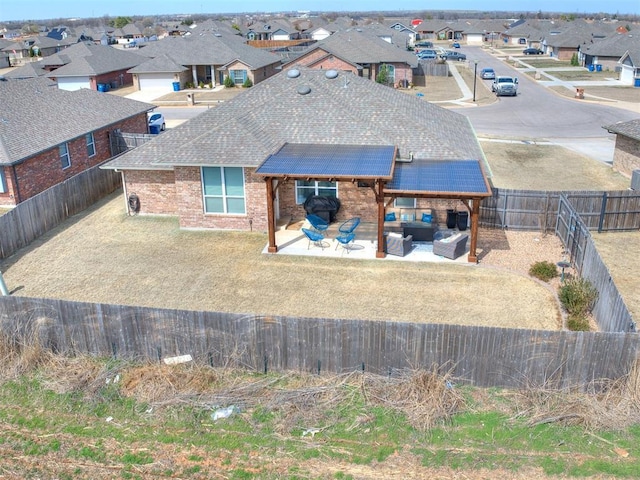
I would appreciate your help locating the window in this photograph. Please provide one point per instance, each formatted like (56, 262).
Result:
(65, 158)
(313, 187)
(91, 145)
(404, 202)
(3, 182)
(238, 76)
(223, 190)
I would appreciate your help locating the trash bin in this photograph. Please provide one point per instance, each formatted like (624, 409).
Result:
(154, 129)
(102, 87)
(592, 67)
(463, 220)
(637, 82)
(176, 86)
(598, 68)
(114, 84)
(451, 218)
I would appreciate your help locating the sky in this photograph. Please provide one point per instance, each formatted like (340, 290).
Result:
(42, 10)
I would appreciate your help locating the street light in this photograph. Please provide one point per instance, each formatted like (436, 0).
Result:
(475, 77)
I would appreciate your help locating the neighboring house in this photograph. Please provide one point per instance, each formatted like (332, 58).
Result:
(29, 70)
(203, 58)
(207, 171)
(484, 31)
(127, 33)
(47, 135)
(609, 52)
(87, 65)
(273, 29)
(319, 33)
(360, 52)
(630, 68)
(34, 48)
(626, 156)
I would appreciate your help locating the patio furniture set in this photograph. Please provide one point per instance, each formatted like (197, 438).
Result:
(319, 226)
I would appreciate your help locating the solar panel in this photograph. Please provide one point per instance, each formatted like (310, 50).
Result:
(324, 161)
(450, 176)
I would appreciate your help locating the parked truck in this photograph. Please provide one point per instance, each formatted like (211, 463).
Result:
(503, 85)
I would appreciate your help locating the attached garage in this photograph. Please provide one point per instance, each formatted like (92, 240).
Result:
(73, 83)
(156, 81)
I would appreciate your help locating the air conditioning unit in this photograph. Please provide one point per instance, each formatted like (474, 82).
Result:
(635, 180)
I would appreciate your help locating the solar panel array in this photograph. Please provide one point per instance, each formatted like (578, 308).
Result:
(451, 176)
(330, 161)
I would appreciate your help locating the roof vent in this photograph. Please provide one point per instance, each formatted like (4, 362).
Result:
(304, 90)
(331, 74)
(293, 73)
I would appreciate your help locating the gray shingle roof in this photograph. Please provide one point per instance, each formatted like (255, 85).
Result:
(37, 116)
(629, 129)
(86, 59)
(359, 47)
(346, 110)
(209, 49)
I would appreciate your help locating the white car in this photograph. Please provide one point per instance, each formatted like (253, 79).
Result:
(156, 122)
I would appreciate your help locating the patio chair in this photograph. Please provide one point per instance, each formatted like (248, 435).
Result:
(318, 223)
(314, 237)
(451, 247)
(346, 241)
(349, 226)
(398, 245)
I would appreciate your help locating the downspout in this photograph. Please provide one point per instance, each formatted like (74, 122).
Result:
(16, 185)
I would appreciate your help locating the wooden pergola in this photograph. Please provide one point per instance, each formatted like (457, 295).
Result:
(377, 167)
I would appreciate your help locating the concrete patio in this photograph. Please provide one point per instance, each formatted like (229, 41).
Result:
(291, 241)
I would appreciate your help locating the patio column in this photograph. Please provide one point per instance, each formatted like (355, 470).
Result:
(475, 216)
(380, 201)
(194, 75)
(271, 221)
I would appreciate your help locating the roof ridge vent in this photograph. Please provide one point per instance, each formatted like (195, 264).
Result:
(293, 73)
(304, 90)
(331, 74)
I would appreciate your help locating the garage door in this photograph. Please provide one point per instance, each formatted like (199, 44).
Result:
(156, 81)
(74, 83)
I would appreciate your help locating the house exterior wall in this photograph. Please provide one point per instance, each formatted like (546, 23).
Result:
(626, 156)
(257, 75)
(42, 171)
(156, 190)
(191, 209)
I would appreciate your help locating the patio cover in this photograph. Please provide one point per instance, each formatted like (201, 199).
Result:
(451, 179)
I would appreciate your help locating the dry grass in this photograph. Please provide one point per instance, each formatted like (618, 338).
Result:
(149, 261)
(547, 167)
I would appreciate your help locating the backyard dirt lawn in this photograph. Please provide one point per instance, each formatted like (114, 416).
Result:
(105, 256)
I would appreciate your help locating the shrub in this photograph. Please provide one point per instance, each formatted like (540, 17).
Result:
(247, 83)
(577, 296)
(578, 323)
(228, 82)
(544, 270)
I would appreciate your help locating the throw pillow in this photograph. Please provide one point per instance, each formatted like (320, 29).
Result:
(426, 217)
(390, 217)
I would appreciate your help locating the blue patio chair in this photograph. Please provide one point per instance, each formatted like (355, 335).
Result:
(346, 240)
(317, 223)
(349, 226)
(314, 237)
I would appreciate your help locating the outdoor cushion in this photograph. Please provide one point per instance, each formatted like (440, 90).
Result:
(408, 217)
(390, 217)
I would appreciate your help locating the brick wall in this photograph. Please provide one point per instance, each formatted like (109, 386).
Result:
(156, 190)
(626, 156)
(45, 170)
(360, 202)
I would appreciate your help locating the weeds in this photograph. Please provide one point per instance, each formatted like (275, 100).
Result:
(544, 270)
(578, 296)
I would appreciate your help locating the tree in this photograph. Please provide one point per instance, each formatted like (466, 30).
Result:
(147, 22)
(120, 22)
(383, 75)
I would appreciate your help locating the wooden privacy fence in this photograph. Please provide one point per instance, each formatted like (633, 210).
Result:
(536, 210)
(481, 356)
(610, 311)
(39, 214)
(120, 142)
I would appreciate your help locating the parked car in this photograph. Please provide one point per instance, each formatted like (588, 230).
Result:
(424, 44)
(487, 74)
(426, 54)
(532, 51)
(455, 45)
(156, 122)
(449, 55)
(503, 85)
